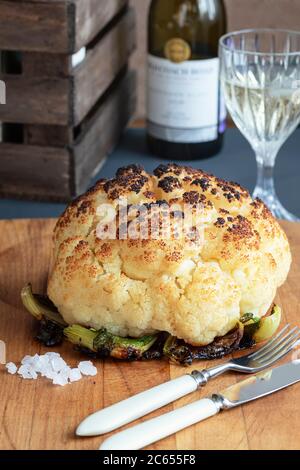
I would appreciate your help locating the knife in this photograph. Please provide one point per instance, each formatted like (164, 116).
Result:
(153, 430)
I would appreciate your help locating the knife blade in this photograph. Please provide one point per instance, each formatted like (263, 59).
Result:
(260, 385)
(257, 386)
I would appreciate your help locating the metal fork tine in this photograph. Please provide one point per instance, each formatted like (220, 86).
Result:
(276, 345)
(269, 343)
(286, 344)
(283, 351)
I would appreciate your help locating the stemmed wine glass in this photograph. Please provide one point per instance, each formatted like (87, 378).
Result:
(260, 76)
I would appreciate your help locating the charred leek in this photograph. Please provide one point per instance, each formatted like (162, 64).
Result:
(106, 344)
(40, 307)
(268, 325)
(80, 336)
(123, 348)
(262, 329)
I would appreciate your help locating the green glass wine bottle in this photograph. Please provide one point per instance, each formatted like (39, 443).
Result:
(185, 111)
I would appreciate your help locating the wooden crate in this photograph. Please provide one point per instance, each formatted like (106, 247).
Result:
(60, 120)
(46, 172)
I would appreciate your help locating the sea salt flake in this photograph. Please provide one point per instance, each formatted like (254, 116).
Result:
(49, 373)
(65, 372)
(38, 363)
(75, 375)
(57, 363)
(87, 368)
(11, 368)
(44, 362)
(52, 355)
(27, 360)
(25, 372)
(33, 373)
(59, 379)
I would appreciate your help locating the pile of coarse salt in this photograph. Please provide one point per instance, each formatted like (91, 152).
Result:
(52, 366)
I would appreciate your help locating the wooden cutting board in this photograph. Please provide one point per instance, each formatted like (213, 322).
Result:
(39, 415)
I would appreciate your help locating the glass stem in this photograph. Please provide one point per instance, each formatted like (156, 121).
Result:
(265, 179)
(265, 186)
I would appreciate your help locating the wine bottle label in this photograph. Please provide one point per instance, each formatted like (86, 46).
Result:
(183, 100)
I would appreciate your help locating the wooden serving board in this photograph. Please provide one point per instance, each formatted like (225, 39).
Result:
(39, 415)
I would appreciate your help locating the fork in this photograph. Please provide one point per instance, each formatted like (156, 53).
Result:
(139, 405)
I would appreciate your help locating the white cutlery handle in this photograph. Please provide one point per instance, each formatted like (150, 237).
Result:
(135, 407)
(141, 435)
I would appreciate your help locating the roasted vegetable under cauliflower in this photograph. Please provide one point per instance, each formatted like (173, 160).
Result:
(249, 331)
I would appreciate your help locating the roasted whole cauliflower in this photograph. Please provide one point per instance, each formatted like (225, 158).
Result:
(194, 283)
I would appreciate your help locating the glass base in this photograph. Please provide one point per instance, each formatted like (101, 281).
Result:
(275, 206)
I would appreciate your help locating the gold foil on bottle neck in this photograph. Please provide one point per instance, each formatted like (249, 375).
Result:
(177, 50)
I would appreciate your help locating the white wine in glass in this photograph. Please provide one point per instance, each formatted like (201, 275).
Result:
(260, 75)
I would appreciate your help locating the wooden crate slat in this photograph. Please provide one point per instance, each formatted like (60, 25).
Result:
(60, 26)
(104, 130)
(36, 26)
(102, 64)
(54, 136)
(33, 172)
(43, 64)
(36, 100)
(92, 16)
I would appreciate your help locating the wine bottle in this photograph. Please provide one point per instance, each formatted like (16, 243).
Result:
(185, 111)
